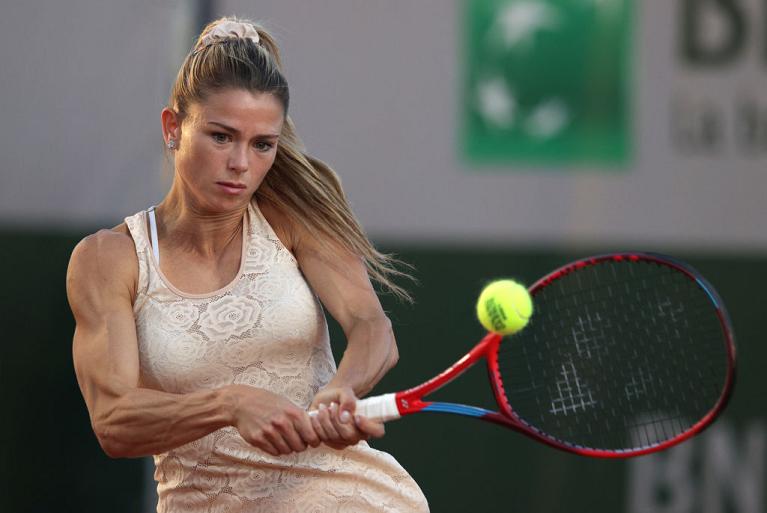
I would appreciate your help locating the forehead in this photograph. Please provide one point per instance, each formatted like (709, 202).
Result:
(240, 109)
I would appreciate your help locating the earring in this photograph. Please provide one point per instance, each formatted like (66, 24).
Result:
(171, 144)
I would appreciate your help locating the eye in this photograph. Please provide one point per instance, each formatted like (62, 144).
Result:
(220, 137)
(263, 146)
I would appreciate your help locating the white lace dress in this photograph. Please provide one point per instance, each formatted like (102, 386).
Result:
(266, 329)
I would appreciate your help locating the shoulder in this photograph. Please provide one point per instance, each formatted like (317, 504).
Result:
(299, 238)
(113, 245)
(105, 259)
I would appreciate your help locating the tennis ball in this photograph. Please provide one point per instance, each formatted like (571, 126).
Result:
(504, 307)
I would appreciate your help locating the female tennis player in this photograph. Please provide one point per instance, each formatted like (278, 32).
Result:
(200, 333)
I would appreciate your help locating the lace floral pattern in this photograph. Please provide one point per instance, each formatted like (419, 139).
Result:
(266, 329)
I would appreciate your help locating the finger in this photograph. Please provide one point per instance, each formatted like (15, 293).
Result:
(344, 416)
(273, 436)
(306, 431)
(347, 405)
(316, 402)
(372, 428)
(337, 446)
(269, 448)
(333, 438)
(348, 431)
(288, 431)
(317, 425)
(265, 445)
(325, 418)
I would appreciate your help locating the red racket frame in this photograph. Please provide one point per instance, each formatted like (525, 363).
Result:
(411, 401)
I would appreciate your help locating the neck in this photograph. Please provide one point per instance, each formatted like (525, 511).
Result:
(182, 223)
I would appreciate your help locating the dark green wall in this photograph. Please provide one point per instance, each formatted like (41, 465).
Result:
(51, 461)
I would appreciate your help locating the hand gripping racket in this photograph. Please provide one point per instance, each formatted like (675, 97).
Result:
(626, 354)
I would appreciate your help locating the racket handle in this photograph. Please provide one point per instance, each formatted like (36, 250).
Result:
(379, 407)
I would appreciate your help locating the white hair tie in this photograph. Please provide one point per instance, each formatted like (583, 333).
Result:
(231, 29)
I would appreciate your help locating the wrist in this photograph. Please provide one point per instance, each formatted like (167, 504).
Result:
(228, 400)
(340, 386)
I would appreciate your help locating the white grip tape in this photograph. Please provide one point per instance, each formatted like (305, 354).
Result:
(379, 407)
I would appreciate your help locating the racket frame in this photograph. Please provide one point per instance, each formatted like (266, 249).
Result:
(411, 400)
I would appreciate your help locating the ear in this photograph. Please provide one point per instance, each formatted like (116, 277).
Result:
(171, 125)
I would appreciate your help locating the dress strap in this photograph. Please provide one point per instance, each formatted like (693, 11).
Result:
(153, 234)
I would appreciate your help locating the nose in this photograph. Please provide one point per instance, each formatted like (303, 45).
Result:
(238, 158)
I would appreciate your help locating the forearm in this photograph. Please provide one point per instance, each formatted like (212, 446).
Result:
(370, 352)
(143, 421)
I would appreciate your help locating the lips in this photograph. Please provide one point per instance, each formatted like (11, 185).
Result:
(232, 185)
(232, 188)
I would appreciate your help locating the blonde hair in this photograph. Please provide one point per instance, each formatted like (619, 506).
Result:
(299, 185)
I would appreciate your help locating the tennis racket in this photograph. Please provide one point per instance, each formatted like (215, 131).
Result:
(625, 354)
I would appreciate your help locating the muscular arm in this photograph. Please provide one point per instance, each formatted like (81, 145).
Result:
(131, 421)
(341, 281)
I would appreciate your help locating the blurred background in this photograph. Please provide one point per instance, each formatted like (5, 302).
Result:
(475, 139)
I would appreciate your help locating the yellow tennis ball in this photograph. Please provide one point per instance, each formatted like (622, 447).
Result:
(504, 307)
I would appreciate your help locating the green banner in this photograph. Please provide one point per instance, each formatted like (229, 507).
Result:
(547, 81)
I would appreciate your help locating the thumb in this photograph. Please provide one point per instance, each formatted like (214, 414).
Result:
(347, 404)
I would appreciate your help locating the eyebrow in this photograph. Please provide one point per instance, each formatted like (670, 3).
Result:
(235, 131)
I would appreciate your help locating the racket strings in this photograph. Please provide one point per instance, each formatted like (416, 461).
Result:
(618, 356)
